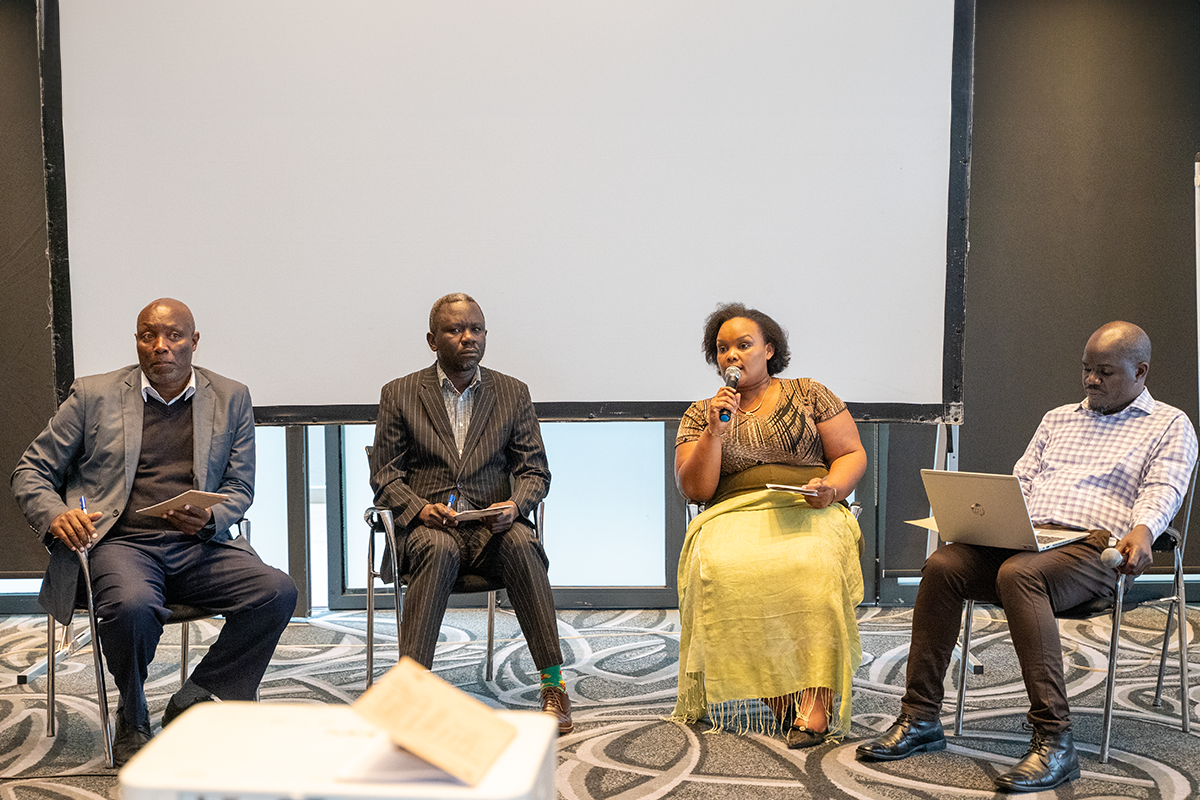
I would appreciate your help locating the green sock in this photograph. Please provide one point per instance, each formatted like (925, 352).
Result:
(552, 676)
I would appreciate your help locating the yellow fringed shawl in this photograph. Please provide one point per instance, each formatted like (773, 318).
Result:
(767, 592)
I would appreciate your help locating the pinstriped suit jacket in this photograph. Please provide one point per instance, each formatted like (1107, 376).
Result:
(415, 461)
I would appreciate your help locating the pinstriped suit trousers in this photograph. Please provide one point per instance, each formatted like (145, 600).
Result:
(433, 559)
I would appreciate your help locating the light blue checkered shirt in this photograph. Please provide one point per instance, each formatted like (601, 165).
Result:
(1112, 472)
(458, 409)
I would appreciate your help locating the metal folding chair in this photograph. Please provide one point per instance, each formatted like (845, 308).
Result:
(379, 521)
(1174, 540)
(179, 615)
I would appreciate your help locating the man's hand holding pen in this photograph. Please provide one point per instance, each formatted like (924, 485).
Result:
(75, 527)
(439, 515)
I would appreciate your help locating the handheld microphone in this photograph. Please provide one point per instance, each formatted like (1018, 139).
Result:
(731, 376)
(1112, 558)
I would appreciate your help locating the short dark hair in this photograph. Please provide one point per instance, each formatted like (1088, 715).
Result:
(773, 334)
(445, 300)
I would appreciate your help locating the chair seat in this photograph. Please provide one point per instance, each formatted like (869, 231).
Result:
(467, 583)
(1091, 608)
(176, 613)
(1171, 540)
(1097, 606)
(380, 520)
(182, 613)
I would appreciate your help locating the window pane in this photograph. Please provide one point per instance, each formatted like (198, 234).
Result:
(359, 497)
(318, 522)
(605, 512)
(597, 467)
(268, 513)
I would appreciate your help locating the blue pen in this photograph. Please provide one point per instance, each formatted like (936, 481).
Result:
(83, 508)
(449, 501)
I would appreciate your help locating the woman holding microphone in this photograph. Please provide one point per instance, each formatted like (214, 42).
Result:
(768, 579)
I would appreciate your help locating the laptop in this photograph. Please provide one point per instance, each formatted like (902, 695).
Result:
(989, 510)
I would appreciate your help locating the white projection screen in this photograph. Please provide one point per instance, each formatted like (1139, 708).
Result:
(309, 176)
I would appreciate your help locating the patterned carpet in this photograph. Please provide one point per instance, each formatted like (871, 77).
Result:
(621, 671)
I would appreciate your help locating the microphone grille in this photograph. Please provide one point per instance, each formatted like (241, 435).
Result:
(1112, 558)
(732, 376)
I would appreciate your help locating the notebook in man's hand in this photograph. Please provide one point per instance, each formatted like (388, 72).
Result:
(192, 497)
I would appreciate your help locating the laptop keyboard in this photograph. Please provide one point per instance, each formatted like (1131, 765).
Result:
(1045, 537)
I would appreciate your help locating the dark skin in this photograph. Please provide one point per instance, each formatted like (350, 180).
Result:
(166, 339)
(459, 339)
(1113, 377)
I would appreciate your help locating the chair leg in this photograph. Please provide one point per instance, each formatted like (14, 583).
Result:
(1184, 693)
(491, 636)
(183, 652)
(51, 658)
(97, 662)
(101, 691)
(370, 608)
(964, 656)
(1162, 658)
(397, 584)
(1110, 684)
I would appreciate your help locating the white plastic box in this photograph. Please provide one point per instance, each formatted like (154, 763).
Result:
(269, 751)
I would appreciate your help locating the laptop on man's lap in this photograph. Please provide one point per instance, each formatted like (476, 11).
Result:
(988, 510)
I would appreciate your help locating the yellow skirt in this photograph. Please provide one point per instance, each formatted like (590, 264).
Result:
(767, 592)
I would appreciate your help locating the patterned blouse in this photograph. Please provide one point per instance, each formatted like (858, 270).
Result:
(788, 435)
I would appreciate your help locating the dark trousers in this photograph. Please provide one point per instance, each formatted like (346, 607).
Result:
(433, 559)
(135, 576)
(1030, 587)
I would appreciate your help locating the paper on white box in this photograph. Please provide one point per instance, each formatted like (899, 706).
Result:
(256, 751)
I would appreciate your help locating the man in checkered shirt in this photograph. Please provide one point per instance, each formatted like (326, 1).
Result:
(1115, 465)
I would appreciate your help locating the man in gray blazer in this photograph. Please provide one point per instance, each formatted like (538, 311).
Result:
(130, 439)
(454, 437)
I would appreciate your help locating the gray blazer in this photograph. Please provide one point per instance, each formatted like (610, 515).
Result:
(415, 460)
(91, 447)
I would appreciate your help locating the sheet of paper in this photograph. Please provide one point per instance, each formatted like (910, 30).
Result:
(478, 513)
(929, 523)
(780, 487)
(381, 761)
(192, 497)
(435, 721)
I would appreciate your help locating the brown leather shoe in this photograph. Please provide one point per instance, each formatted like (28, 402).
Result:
(556, 702)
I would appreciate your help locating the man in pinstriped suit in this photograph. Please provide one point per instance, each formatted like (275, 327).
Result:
(454, 437)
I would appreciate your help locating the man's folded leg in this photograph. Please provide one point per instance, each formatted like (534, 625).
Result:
(257, 602)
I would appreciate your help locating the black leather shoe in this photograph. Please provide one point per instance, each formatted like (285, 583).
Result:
(174, 708)
(1050, 761)
(128, 740)
(907, 735)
